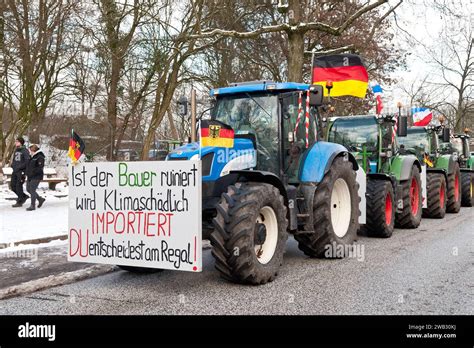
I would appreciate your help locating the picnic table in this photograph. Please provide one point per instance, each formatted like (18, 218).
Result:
(50, 176)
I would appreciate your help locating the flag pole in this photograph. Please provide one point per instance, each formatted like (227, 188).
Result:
(200, 138)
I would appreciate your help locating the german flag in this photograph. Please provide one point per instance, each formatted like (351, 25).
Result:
(76, 146)
(215, 133)
(346, 72)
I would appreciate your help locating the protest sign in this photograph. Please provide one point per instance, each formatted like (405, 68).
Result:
(143, 214)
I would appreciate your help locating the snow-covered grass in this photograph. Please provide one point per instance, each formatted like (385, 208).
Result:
(17, 224)
(23, 247)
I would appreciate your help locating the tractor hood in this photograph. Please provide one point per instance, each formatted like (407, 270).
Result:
(218, 161)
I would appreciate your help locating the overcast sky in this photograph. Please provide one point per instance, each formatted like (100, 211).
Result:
(425, 24)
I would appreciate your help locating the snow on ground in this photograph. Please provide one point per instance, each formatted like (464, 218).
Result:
(17, 224)
(26, 247)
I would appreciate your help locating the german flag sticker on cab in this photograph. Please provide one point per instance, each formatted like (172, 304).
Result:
(217, 134)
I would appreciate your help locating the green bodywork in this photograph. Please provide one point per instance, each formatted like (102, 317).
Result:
(423, 142)
(460, 145)
(369, 139)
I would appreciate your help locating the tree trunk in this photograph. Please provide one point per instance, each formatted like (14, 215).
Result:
(295, 43)
(112, 106)
(3, 143)
(295, 56)
(174, 132)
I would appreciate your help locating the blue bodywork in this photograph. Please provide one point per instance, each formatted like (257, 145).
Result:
(260, 87)
(318, 160)
(189, 150)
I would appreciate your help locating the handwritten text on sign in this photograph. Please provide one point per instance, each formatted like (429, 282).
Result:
(143, 214)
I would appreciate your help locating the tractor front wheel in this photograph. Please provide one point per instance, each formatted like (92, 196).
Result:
(467, 199)
(336, 213)
(410, 216)
(454, 190)
(436, 188)
(380, 209)
(250, 234)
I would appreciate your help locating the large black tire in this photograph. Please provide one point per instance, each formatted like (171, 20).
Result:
(454, 190)
(380, 209)
(410, 216)
(140, 270)
(467, 184)
(322, 242)
(436, 192)
(238, 241)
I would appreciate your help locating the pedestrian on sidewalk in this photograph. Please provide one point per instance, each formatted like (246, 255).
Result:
(34, 173)
(19, 162)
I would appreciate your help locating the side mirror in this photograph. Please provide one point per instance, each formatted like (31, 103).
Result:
(402, 128)
(446, 135)
(316, 95)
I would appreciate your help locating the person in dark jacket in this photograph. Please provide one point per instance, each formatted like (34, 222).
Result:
(19, 162)
(34, 173)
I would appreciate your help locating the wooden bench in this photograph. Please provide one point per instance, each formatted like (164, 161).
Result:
(50, 176)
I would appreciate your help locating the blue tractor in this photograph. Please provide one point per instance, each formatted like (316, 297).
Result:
(278, 179)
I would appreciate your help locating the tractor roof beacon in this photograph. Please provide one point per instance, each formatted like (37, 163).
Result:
(275, 180)
(392, 177)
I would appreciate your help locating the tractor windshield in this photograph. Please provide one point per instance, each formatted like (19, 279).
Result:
(457, 145)
(257, 114)
(357, 134)
(416, 140)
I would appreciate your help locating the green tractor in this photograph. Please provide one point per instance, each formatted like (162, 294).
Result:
(443, 171)
(394, 181)
(460, 144)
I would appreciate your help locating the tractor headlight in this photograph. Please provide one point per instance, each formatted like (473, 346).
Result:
(207, 164)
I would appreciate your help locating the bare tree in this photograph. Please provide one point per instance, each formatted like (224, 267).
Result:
(36, 49)
(450, 55)
(296, 25)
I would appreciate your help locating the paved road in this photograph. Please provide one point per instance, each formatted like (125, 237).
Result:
(35, 263)
(424, 271)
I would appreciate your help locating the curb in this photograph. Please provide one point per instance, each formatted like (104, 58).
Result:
(34, 241)
(55, 280)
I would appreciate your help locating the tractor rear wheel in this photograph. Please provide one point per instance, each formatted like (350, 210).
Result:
(436, 189)
(410, 216)
(467, 199)
(336, 213)
(380, 209)
(454, 190)
(250, 233)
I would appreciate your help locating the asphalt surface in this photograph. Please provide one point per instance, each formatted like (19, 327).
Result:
(425, 271)
(35, 263)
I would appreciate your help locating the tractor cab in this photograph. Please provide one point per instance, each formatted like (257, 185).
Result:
(421, 142)
(461, 146)
(269, 123)
(369, 138)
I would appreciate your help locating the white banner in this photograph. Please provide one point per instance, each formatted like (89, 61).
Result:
(143, 214)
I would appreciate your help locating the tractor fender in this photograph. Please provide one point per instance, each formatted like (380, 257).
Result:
(446, 162)
(289, 195)
(406, 164)
(384, 176)
(439, 171)
(260, 176)
(380, 176)
(318, 160)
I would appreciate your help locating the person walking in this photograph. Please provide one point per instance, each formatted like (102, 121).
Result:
(19, 162)
(34, 173)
